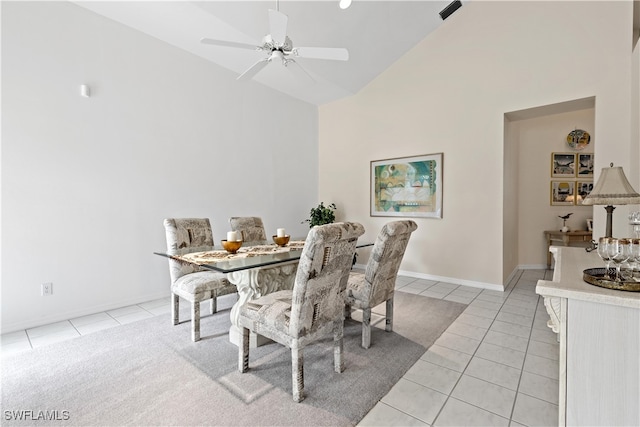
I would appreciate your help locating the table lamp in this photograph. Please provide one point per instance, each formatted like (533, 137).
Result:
(612, 188)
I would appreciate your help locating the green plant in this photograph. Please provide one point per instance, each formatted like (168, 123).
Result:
(321, 215)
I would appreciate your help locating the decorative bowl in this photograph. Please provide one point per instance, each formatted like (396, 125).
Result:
(281, 241)
(231, 246)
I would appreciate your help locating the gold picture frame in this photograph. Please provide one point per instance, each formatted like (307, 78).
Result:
(563, 193)
(584, 165)
(583, 188)
(563, 165)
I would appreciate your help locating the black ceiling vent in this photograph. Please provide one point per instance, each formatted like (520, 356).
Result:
(452, 7)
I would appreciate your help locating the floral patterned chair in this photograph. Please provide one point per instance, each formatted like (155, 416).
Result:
(313, 309)
(377, 284)
(251, 228)
(188, 281)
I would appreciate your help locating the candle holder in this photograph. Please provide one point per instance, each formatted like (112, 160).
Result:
(282, 240)
(231, 246)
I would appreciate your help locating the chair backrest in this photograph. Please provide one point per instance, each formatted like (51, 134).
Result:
(251, 228)
(386, 256)
(184, 233)
(318, 291)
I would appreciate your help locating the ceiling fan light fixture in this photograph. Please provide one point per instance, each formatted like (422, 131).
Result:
(344, 4)
(276, 54)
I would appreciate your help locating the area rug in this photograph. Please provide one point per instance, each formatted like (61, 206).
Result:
(150, 373)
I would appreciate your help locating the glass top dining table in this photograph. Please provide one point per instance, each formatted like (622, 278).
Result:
(250, 255)
(258, 268)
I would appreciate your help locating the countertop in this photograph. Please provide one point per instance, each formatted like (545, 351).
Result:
(568, 280)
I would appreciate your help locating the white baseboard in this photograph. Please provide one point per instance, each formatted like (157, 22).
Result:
(84, 311)
(464, 282)
(521, 267)
(511, 277)
(532, 267)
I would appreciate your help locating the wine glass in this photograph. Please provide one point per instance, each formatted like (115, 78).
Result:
(603, 252)
(620, 251)
(634, 259)
(634, 219)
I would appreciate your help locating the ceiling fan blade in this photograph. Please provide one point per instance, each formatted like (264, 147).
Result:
(334, 53)
(299, 71)
(230, 44)
(254, 69)
(278, 26)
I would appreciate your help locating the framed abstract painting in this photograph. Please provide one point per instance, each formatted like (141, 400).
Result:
(407, 186)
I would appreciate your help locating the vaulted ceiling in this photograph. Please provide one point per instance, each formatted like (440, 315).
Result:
(376, 34)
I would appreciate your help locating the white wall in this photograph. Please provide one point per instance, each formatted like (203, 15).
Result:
(449, 94)
(86, 183)
(510, 206)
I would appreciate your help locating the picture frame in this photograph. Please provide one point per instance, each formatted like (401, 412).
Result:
(563, 165)
(583, 188)
(562, 193)
(407, 186)
(590, 224)
(584, 168)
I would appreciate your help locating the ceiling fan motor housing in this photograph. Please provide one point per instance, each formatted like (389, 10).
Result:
(269, 44)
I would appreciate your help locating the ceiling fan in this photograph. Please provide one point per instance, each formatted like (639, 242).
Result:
(278, 46)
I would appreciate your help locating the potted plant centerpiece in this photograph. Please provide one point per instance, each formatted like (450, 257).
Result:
(321, 215)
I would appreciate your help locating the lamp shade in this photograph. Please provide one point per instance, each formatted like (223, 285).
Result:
(612, 188)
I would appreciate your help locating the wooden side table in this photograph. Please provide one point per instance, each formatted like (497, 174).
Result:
(566, 238)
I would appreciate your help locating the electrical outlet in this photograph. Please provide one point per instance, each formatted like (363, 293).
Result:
(47, 289)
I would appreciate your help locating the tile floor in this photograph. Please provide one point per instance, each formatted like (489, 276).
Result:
(66, 329)
(496, 365)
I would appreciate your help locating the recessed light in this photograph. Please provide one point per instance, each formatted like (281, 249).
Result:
(344, 4)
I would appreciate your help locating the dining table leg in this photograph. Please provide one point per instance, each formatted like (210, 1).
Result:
(254, 283)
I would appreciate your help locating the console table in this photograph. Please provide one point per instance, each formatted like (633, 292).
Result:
(566, 238)
(599, 334)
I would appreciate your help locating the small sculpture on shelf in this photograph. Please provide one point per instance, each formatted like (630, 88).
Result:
(564, 218)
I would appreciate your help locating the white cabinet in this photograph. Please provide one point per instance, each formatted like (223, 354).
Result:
(599, 334)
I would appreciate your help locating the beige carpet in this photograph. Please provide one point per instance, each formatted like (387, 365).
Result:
(150, 373)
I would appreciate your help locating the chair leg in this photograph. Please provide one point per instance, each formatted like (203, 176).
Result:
(175, 308)
(389, 321)
(297, 374)
(366, 327)
(214, 305)
(243, 351)
(338, 357)
(195, 321)
(347, 311)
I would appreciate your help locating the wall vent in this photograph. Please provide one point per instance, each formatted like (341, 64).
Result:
(452, 7)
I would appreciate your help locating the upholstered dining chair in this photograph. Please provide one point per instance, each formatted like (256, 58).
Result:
(377, 284)
(251, 228)
(314, 307)
(191, 282)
